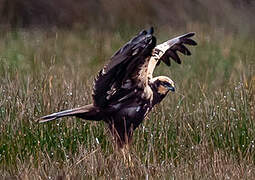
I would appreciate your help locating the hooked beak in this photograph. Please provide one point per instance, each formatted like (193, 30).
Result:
(171, 88)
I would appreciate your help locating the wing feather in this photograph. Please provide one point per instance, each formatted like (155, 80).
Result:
(173, 55)
(183, 50)
(122, 68)
(132, 66)
(168, 50)
(189, 42)
(178, 44)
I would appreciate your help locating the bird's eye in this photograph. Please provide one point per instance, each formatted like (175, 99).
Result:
(166, 84)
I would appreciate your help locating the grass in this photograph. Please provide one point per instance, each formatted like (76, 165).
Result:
(204, 131)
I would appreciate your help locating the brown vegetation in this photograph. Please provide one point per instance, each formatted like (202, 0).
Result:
(205, 130)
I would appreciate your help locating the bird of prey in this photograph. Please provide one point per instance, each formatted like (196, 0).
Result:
(125, 90)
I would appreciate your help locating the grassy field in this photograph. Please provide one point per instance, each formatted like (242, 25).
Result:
(206, 130)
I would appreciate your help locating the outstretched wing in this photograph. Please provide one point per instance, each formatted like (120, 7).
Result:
(168, 50)
(120, 75)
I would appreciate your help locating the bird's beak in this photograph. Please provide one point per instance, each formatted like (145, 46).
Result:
(171, 88)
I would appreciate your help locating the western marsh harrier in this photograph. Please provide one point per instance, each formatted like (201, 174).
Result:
(124, 90)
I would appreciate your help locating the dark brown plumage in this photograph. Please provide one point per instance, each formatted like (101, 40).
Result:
(124, 90)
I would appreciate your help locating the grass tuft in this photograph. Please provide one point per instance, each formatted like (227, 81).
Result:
(207, 126)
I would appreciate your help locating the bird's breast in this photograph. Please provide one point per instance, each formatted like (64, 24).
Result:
(147, 93)
(135, 112)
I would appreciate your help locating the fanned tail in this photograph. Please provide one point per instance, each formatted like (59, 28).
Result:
(88, 112)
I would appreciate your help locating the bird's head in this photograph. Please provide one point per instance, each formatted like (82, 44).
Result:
(163, 85)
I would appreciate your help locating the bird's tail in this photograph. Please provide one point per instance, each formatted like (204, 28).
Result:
(88, 112)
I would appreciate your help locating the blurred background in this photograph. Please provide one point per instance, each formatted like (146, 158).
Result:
(232, 15)
(50, 52)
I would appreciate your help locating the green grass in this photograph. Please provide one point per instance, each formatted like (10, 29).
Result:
(204, 131)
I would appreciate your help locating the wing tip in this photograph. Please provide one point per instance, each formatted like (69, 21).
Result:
(187, 35)
(186, 39)
(150, 30)
(190, 34)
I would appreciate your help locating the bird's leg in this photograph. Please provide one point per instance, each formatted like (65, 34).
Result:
(124, 155)
(126, 147)
(127, 156)
(122, 138)
(130, 162)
